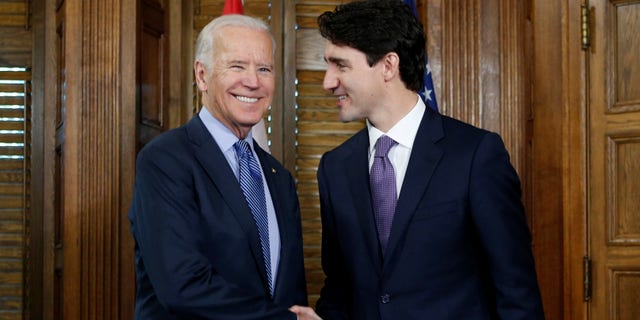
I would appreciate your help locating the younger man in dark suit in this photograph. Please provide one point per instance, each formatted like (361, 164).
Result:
(215, 218)
(421, 214)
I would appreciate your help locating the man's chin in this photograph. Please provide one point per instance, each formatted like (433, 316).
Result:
(347, 117)
(253, 122)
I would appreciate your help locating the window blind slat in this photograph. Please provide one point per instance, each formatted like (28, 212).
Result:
(14, 169)
(11, 100)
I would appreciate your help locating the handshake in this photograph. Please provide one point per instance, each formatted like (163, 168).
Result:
(304, 313)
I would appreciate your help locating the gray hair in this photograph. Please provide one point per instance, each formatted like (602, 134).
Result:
(206, 39)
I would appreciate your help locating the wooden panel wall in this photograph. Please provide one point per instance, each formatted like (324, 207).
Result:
(16, 39)
(15, 151)
(153, 71)
(477, 52)
(163, 42)
(15, 127)
(545, 193)
(96, 163)
(565, 45)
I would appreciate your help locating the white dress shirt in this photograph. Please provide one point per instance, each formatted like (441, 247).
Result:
(404, 133)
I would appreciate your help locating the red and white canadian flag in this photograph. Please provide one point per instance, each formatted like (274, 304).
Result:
(232, 7)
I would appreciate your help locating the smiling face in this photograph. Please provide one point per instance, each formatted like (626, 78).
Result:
(350, 78)
(239, 88)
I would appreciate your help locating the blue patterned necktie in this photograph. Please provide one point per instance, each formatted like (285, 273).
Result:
(383, 189)
(253, 190)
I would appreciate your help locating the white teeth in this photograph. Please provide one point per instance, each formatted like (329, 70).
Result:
(246, 99)
(342, 97)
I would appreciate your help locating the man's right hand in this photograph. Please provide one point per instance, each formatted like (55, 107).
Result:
(304, 313)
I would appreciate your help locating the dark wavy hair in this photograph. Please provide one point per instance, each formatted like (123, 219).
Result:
(377, 27)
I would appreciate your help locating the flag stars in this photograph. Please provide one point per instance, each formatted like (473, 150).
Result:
(427, 93)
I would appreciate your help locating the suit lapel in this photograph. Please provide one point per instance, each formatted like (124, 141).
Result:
(215, 164)
(356, 166)
(424, 159)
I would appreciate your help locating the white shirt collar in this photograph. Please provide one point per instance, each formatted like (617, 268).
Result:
(220, 133)
(404, 132)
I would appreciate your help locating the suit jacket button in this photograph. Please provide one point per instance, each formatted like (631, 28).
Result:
(385, 298)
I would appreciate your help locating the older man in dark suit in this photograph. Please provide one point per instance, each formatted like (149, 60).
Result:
(215, 218)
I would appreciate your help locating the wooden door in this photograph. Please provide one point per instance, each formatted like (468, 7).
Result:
(87, 249)
(613, 171)
(152, 67)
(164, 61)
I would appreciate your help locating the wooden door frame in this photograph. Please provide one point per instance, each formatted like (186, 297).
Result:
(41, 136)
(41, 293)
(558, 56)
(574, 106)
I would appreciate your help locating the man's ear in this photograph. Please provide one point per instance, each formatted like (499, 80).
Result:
(391, 64)
(200, 71)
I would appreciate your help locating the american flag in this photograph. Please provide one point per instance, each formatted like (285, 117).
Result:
(428, 93)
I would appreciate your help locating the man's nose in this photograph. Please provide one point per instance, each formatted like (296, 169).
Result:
(251, 79)
(330, 81)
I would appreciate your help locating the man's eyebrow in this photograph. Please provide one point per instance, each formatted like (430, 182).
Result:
(335, 60)
(236, 61)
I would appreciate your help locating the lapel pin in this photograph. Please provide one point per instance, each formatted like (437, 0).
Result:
(273, 170)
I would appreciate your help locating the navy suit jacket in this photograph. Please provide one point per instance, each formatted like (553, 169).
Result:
(459, 247)
(197, 250)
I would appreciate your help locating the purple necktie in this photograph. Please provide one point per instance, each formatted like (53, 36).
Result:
(383, 189)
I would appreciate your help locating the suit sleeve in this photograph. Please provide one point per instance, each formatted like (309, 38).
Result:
(334, 302)
(499, 217)
(163, 210)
